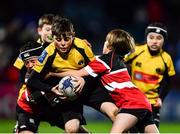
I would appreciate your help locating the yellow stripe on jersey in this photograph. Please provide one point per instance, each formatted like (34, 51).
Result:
(74, 60)
(18, 63)
(21, 91)
(147, 70)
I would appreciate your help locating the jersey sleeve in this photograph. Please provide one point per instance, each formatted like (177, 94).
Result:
(97, 66)
(170, 65)
(89, 53)
(18, 63)
(129, 57)
(87, 49)
(42, 59)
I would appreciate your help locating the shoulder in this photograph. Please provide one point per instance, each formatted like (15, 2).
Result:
(140, 47)
(166, 55)
(50, 48)
(47, 52)
(80, 43)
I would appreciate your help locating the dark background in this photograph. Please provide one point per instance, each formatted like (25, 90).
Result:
(92, 20)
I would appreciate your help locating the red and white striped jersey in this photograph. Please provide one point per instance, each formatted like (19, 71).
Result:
(23, 99)
(116, 79)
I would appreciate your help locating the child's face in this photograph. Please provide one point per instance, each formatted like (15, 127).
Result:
(30, 63)
(155, 41)
(45, 33)
(63, 43)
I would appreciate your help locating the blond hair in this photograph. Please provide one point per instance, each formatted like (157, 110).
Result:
(120, 41)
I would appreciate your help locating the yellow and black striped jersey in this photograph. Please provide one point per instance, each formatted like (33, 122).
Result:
(147, 71)
(75, 60)
(21, 90)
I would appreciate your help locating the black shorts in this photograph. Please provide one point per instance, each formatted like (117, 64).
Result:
(69, 110)
(94, 94)
(56, 116)
(144, 116)
(26, 121)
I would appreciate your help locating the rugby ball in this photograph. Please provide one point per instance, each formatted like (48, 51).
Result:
(67, 86)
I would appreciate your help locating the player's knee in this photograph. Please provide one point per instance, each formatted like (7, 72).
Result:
(110, 109)
(113, 113)
(72, 126)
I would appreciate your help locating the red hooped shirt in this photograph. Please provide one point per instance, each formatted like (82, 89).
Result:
(116, 79)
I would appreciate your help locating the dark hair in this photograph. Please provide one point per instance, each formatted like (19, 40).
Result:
(62, 26)
(46, 19)
(157, 27)
(30, 49)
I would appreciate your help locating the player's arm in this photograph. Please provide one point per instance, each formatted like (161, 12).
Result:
(35, 82)
(167, 79)
(164, 89)
(19, 66)
(94, 68)
(82, 72)
(87, 42)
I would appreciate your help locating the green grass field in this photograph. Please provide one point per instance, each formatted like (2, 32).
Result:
(6, 126)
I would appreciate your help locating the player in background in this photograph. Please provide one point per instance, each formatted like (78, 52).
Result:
(24, 111)
(45, 38)
(135, 108)
(152, 68)
(65, 53)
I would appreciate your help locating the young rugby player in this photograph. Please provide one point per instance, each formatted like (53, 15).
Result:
(45, 38)
(152, 68)
(68, 52)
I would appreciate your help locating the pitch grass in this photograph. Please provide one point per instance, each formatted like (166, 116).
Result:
(6, 126)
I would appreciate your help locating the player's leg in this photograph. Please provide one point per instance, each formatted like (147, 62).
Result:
(156, 115)
(15, 129)
(123, 122)
(72, 126)
(69, 116)
(27, 123)
(95, 96)
(152, 128)
(110, 109)
(148, 123)
(83, 129)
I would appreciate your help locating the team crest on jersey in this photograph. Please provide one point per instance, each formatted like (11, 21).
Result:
(80, 62)
(42, 56)
(138, 64)
(138, 76)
